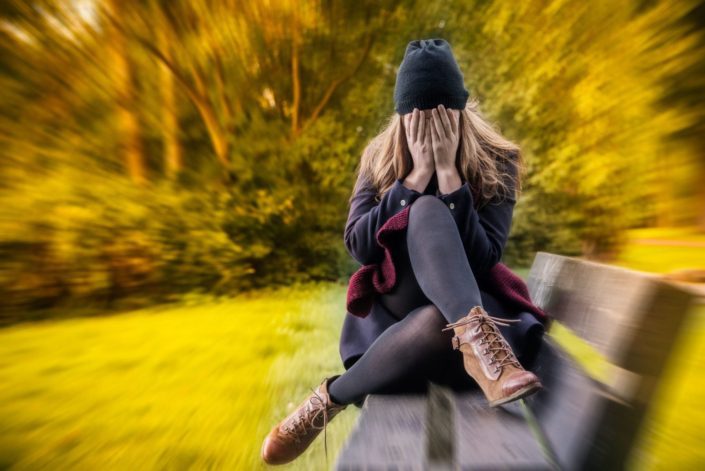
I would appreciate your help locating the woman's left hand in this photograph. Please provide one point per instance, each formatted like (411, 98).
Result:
(445, 136)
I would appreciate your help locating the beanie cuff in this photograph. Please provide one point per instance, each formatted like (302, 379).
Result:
(424, 102)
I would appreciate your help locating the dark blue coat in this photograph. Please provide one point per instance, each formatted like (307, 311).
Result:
(484, 233)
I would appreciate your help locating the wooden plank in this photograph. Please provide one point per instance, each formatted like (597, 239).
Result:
(494, 438)
(389, 435)
(630, 317)
(633, 319)
(446, 430)
(439, 433)
(542, 279)
(586, 427)
(598, 302)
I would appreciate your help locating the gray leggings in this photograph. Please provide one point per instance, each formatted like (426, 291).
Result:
(431, 265)
(435, 286)
(440, 273)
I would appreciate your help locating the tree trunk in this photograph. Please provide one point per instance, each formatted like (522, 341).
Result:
(295, 79)
(128, 127)
(170, 120)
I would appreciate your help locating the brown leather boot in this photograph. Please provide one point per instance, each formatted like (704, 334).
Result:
(290, 437)
(489, 359)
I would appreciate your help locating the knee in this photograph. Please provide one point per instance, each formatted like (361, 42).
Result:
(429, 325)
(426, 205)
(432, 211)
(426, 202)
(432, 316)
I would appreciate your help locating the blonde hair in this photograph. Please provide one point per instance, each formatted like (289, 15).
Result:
(483, 154)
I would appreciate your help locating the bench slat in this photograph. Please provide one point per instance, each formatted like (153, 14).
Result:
(630, 317)
(389, 433)
(494, 438)
(585, 425)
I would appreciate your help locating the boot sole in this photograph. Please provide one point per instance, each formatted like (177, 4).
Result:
(519, 394)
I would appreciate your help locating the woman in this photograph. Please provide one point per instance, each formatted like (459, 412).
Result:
(450, 179)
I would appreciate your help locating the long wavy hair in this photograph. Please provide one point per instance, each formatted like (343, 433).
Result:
(483, 155)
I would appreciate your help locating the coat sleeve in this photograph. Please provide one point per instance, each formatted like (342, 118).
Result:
(367, 215)
(485, 231)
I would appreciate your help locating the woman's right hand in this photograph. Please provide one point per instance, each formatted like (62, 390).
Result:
(418, 138)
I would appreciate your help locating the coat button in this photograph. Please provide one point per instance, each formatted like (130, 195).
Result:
(451, 206)
(402, 202)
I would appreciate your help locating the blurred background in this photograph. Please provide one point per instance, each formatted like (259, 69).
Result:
(174, 180)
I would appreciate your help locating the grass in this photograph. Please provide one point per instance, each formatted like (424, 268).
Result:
(184, 387)
(198, 385)
(658, 258)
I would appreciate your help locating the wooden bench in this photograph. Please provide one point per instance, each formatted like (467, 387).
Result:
(579, 420)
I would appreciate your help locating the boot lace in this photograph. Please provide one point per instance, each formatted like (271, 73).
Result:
(492, 337)
(305, 420)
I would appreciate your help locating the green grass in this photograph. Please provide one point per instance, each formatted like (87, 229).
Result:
(184, 387)
(684, 233)
(658, 258)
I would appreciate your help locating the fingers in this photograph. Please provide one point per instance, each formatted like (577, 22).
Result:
(444, 124)
(437, 124)
(422, 128)
(445, 119)
(434, 124)
(431, 136)
(407, 128)
(414, 125)
(455, 121)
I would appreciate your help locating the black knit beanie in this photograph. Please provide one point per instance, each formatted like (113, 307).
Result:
(429, 76)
